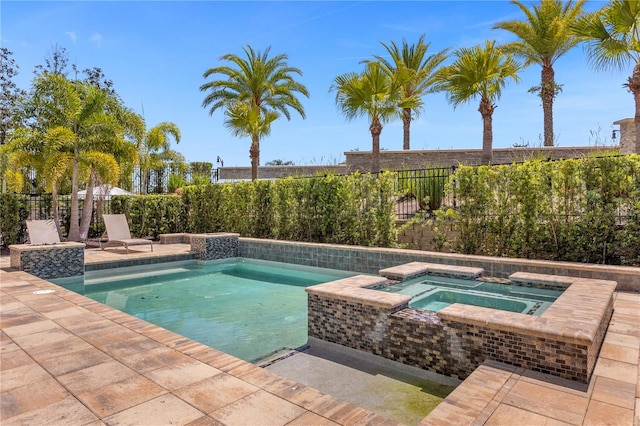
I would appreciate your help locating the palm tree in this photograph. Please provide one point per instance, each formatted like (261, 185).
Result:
(479, 72)
(612, 35)
(420, 74)
(545, 36)
(91, 127)
(150, 156)
(254, 94)
(373, 94)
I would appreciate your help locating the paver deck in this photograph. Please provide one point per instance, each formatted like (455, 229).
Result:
(66, 359)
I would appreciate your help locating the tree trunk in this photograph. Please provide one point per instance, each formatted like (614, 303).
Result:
(406, 127)
(74, 225)
(486, 110)
(54, 206)
(87, 209)
(634, 87)
(547, 93)
(376, 129)
(254, 153)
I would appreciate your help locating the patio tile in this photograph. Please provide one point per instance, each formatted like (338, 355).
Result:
(116, 397)
(21, 376)
(556, 404)
(61, 364)
(215, 392)
(153, 359)
(620, 353)
(32, 396)
(14, 359)
(614, 392)
(507, 415)
(31, 328)
(600, 413)
(42, 341)
(622, 340)
(258, 408)
(165, 409)
(309, 418)
(616, 370)
(119, 347)
(56, 413)
(96, 377)
(205, 421)
(183, 373)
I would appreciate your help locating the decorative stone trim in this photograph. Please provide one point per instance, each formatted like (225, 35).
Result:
(59, 260)
(214, 246)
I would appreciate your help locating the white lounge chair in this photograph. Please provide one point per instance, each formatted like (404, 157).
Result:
(118, 233)
(42, 232)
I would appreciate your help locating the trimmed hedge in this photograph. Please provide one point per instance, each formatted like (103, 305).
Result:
(578, 210)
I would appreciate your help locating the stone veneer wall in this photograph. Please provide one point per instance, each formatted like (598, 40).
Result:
(49, 261)
(371, 259)
(214, 246)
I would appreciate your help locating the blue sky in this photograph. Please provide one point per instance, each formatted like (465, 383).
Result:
(156, 54)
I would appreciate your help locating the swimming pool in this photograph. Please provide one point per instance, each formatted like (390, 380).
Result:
(436, 293)
(248, 308)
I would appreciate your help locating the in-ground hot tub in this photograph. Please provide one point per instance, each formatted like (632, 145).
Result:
(563, 341)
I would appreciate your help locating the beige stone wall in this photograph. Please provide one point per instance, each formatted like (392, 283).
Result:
(419, 159)
(275, 172)
(627, 135)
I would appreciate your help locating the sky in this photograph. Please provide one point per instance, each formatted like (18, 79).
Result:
(156, 52)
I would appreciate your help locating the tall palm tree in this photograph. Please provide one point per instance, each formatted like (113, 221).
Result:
(612, 35)
(259, 87)
(545, 36)
(420, 73)
(479, 72)
(373, 94)
(154, 148)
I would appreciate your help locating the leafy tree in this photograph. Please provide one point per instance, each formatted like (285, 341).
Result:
(479, 72)
(279, 162)
(10, 94)
(411, 63)
(612, 36)
(149, 150)
(544, 36)
(373, 94)
(254, 92)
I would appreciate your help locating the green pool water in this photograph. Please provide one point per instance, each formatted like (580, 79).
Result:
(247, 308)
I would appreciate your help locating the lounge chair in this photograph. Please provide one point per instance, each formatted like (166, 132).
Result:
(42, 232)
(118, 233)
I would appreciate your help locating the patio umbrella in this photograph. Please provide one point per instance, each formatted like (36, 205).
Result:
(104, 191)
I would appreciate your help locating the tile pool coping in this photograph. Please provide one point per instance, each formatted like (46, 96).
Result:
(494, 391)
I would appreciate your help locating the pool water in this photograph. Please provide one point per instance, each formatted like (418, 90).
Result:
(247, 308)
(436, 293)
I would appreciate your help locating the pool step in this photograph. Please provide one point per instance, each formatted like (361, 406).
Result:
(416, 269)
(134, 275)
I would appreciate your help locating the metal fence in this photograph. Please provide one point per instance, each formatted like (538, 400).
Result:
(423, 190)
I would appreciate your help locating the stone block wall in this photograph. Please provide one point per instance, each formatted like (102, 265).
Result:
(420, 159)
(49, 261)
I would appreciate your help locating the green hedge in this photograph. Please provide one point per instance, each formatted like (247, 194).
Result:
(13, 213)
(354, 209)
(580, 210)
(151, 215)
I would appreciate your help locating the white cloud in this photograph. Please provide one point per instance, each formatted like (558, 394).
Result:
(72, 36)
(97, 39)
